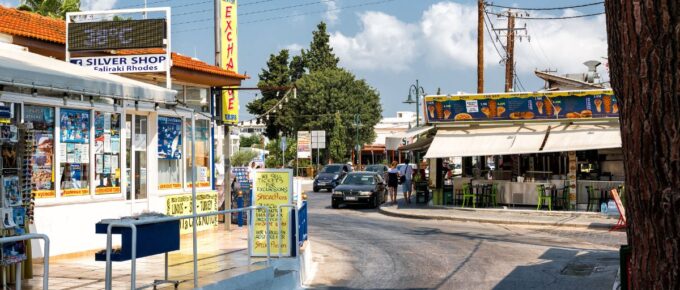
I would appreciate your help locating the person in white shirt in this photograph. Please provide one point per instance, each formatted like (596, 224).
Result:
(407, 185)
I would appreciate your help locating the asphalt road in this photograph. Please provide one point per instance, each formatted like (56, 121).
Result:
(359, 248)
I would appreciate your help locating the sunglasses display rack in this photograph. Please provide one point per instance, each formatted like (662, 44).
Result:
(16, 196)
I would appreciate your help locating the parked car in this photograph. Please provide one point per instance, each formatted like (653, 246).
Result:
(330, 176)
(360, 188)
(377, 168)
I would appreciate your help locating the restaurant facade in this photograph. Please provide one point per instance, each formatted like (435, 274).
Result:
(568, 141)
(106, 145)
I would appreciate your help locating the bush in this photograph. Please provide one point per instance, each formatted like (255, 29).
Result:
(242, 158)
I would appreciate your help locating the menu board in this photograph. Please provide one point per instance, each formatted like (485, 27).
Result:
(522, 106)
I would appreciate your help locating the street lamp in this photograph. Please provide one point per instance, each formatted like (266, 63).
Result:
(416, 90)
(357, 123)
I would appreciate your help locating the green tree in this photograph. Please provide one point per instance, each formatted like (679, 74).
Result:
(249, 141)
(242, 158)
(50, 8)
(333, 90)
(320, 54)
(338, 148)
(274, 147)
(297, 68)
(276, 76)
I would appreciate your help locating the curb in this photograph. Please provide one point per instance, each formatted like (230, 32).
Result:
(593, 226)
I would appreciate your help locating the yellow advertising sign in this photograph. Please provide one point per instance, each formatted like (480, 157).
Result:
(178, 205)
(272, 188)
(229, 57)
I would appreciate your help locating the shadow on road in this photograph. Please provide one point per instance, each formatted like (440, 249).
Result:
(564, 268)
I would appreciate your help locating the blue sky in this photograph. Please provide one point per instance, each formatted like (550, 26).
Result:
(391, 43)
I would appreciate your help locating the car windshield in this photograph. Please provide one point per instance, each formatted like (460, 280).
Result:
(374, 168)
(331, 169)
(359, 179)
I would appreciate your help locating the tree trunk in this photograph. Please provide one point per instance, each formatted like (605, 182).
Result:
(644, 52)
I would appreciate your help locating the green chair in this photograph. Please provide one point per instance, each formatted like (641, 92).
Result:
(543, 197)
(494, 194)
(593, 198)
(467, 193)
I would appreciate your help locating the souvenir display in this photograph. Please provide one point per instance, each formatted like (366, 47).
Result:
(42, 154)
(74, 165)
(15, 190)
(169, 138)
(107, 152)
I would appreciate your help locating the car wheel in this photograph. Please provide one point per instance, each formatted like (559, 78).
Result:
(316, 189)
(334, 204)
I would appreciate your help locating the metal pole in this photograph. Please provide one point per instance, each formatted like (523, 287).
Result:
(17, 278)
(417, 103)
(480, 46)
(193, 194)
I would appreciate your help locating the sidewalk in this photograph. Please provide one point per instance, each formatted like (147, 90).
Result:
(222, 254)
(571, 219)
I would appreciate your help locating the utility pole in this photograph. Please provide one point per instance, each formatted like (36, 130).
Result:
(480, 46)
(510, 34)
(510, 58)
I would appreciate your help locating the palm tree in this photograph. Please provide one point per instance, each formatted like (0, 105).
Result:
(51, 8)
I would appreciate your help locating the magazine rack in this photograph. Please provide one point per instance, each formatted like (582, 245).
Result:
(152, 239)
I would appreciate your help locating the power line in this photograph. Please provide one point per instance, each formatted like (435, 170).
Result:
(285, 7)
(547, 9)
(319, 11)
(254, 3)
(552, 18)
(279, 17)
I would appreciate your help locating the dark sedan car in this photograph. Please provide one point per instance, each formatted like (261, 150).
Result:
(377, 168)
(330, 176)
(360, 188)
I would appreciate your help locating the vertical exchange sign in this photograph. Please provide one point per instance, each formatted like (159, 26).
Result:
(229, 57)
(272, 188)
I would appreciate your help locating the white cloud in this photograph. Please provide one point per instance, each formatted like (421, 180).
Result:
(294, 48)
(446, 36)
(332, 12)
(385, 43)
(96, 5)
(562, 44)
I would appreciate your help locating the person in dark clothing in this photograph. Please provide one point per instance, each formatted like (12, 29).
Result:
(393, 181)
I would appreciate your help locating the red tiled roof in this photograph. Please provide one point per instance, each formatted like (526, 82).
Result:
(33, 25)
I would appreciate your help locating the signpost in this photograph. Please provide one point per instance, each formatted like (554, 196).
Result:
(272, 188)
(84, 34)
(124, 63)
(522, 106)
(318, 142)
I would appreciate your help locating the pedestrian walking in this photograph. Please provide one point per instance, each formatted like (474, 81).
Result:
(393, 181)
(407, 185)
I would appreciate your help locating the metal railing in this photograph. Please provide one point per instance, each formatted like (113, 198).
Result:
(46, 256)
(133, 226)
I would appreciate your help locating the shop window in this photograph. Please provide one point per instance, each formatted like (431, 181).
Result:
(197, 98)
(42, 155)
(107, 153)
(74, 151)
(169, 152)
(202, 147)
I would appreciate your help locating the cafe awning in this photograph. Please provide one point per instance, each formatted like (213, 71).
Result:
(393, 142)
(19, 67)
(576, 137)
(481, 141)
(421, 144)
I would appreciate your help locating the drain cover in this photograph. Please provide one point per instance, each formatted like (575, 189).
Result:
(575, 269)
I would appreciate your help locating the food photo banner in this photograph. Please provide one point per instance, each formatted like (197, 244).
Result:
(522, 106)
